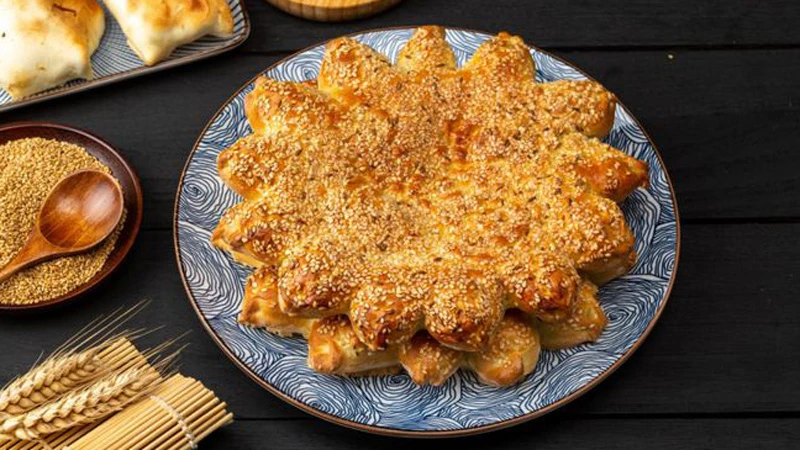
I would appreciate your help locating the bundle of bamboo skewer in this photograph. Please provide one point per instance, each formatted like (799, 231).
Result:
(98, 391)
(177, 415)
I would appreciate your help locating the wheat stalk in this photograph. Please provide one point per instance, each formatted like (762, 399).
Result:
(49, 380)
(82, 406)
(68, 367)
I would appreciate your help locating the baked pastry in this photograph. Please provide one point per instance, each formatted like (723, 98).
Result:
(422, 216)
(45, 43)
(155, 28)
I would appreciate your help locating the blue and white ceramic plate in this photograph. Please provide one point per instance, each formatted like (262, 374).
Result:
(114, 60)
(393, 404)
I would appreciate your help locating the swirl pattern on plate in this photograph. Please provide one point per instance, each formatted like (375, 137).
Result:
(632, 302)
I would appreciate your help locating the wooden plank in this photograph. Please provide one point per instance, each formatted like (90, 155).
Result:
(333, 10)
(555, 432)
(726, 123)
(729, 140)
(729, 341)
(717, 85)
(585, 24)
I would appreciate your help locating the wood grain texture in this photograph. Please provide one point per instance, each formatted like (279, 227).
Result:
(716, 341)
(80, 212)
(123, 173)
(726, 123)
(715, 83)
(333, 10)
(556, 432)
(575, 24)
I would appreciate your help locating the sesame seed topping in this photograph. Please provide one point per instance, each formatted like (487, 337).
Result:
(421, 196)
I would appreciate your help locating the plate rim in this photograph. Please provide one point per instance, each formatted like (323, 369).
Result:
(133, 222)
(396, 432)
(63, 90)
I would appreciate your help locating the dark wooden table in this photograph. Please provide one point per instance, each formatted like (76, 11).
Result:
(717, 85)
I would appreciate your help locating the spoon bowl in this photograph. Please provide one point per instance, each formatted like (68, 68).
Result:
(79, 213)
(121, 171)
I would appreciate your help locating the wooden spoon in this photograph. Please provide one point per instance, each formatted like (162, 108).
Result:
(80, 212)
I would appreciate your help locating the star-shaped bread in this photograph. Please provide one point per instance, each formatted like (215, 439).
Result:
(426, 216)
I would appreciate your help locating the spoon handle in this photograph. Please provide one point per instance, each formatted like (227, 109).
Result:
(37, 249)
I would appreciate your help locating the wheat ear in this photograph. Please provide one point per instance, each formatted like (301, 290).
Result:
(83, 406)
(49, 380)
(69, 367)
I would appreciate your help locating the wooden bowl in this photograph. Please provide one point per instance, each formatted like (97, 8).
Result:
(122, 171)
(333, 10)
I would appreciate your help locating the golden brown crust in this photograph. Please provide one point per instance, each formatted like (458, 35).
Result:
(275, 106)
(543, 285)
(81, 17)
(165, 14)
(603, 270)
(425, 200)
(427, 50)
(512, 353)
(154, 28)
(46, 43)
(593, 232)
(584, 106)
(224, 25)
(260, 307)
(504, 60)
(584, 324)
(427, 361)
(334, 348)
(310, 284)
(464, 311)
(257, 235)
(249, 166)
(350, 71)
(608, 171)
(383, 316)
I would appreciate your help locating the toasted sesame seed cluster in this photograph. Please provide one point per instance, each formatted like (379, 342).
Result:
(29, 169)
(422, 216)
